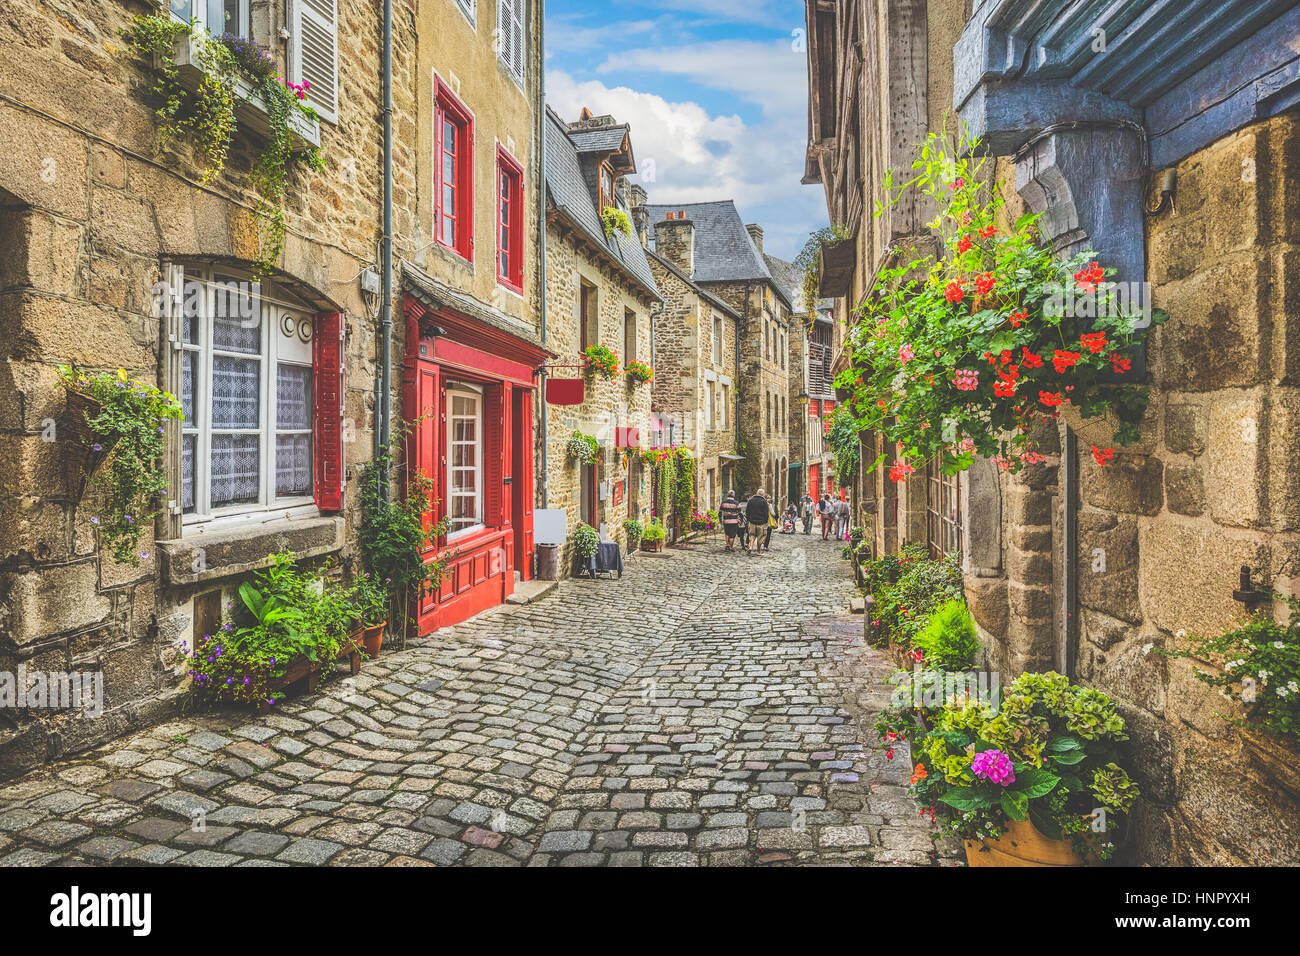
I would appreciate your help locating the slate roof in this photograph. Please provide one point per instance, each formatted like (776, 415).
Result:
(599, 139)
(724, 252)
(787, 276)
(567, 189)
(699, 290)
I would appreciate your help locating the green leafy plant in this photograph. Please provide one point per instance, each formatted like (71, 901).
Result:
(960, 352)
(131, 421)
(638, 372)
(614, 221)
(908, 587)
(398, 533)
(654, 531)
(634, 530)
(600, 359)
(1259, 665)
(584, 449)
(206, 115)
(844, 440)
(585, 540)
(1047, 754)
(808, 264)
(949, 639)
(684, 487)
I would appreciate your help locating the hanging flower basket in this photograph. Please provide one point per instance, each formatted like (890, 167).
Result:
(600, 359)
(83, 450)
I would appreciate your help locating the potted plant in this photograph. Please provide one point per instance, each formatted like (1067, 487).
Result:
(585, 540)
(584, 449)
(638, 372)
(652, 538)
(615, 222)
(371, 601)
(600, 359)
(633, 529)
(1031, 780)
(121, 420)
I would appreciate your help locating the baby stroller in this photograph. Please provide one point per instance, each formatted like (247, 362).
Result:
(787, 523)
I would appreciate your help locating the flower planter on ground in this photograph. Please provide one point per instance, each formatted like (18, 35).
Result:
(1021, 845)
(373, 638)
(304, 673)
(352, 649)
(250, 108)
(652, 545)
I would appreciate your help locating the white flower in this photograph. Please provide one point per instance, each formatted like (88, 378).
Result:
(1294, 687)
(1282, 692)
(1265, 675)
(1278, 645)
(1230, 665)
(1146, 648)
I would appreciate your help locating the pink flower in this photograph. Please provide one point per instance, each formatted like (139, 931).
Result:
(905, 353)
(966, 380)
(994, 766)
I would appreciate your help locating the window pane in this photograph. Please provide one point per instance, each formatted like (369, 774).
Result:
(182, 9)
(236, 469)
(236, 398)
(293, 396)
(189, 362)
(292, 465)
(188, 445)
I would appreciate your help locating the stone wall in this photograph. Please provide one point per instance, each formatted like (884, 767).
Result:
(608, 404)
(88, 212)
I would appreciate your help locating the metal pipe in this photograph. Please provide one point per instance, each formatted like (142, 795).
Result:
(386, 308)
(541, 223)
(1070, 556)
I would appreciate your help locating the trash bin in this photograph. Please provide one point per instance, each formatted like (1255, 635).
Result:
(548, 562)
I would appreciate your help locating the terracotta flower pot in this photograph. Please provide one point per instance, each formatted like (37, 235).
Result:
(373, 638)
(1021, 845)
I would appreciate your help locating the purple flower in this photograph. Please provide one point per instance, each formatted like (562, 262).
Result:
(94, 521)
(98, 448)
(994, 766)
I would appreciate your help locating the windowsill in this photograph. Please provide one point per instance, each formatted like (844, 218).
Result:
(451, 255)
(250, 108)
(241, 548)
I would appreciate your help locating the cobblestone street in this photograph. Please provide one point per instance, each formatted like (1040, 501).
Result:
(706, 709)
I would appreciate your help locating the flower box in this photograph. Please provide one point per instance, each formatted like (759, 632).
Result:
(250, 108)
(80, 459)
(1021, 845)
(657, 545)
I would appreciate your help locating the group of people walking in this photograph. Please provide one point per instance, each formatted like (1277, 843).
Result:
(753, 518)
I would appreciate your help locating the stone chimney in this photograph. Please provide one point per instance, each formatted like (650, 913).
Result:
(756, 233)
(675, 241)
(636, 200)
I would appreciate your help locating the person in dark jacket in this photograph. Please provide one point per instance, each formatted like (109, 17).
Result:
(757, 514)
(732, 515)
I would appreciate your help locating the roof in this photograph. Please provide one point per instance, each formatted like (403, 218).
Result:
(599, 139)
(568, 191)
(724, 251)
(699, 290)
(436, 295)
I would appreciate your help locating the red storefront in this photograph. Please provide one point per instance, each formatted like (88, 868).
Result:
(471, 385)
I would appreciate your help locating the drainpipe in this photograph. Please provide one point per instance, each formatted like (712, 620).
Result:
(541, 222)
(1070, 562)
(386, 309)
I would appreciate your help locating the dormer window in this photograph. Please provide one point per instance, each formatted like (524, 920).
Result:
(606, 186)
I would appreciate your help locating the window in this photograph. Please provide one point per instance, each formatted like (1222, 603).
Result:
(942, 512)
(510, 36)
(768, 399)
(606, 187)
(218, 16)
(247, 396)
(726, 400)
(464, 459)
(453, 187)
(717, 340)
(588, 321)
(510, 222)
(469, 8)
(629, 336)
(708, 489)
(708, 405)
(315, 54)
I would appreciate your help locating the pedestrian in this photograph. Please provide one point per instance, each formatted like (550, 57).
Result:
(842, 515)
(771, 524)
(744, 523)
(757, 513)
(824, 512)
(807, 506)
(732, 515)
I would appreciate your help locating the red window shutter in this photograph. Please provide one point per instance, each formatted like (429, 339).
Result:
(327, 417)
(493, 455)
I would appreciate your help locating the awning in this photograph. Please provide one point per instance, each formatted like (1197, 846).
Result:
(732, 457)
(836, 267)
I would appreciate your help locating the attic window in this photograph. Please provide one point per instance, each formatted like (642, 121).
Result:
(606, 186)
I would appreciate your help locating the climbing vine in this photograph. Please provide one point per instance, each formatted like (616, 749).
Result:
(808, 263)
(685, 486)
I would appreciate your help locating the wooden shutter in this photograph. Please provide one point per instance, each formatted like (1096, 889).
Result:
(510, 34)
(493, 455)
(315, 34)
(517, 25)
(327, 410)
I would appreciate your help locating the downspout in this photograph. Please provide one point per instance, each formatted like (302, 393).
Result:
(1070, 557)
(541, 222)
(386, 308)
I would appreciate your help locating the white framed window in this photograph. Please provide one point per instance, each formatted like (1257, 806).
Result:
(509, 38)
(246, 391)
(726, 400)
(216, 16)
(464, 459)
(717, 340)
(470, 9)
(708, 406)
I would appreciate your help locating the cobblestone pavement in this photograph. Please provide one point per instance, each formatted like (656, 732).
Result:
(706, 709)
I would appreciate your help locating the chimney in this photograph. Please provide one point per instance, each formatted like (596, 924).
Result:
(756, 233)
(636, 199)
(675, 241)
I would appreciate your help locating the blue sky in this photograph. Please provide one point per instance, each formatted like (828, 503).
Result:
(715, 90)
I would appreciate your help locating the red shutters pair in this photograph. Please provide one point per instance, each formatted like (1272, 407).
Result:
(327, 410)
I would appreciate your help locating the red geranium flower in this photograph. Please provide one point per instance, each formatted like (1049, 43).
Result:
(984, 282)
(1063, 360)
(988, 231)
(1050, 399)
(964, 244)
(1089, 277)
(954, 292)
(1103, 455)
(1119, 363)
(1030, 359)
(1094, 342)
(1017, 319)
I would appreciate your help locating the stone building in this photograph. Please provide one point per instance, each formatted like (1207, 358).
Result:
(600, 291)
(1071, 566)
(727, 260)
(120, 255)
(695, 367)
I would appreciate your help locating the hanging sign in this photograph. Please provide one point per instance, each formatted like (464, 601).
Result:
(565, 391)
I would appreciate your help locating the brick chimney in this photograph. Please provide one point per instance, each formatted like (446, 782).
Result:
(675, 241)
(756, 233)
